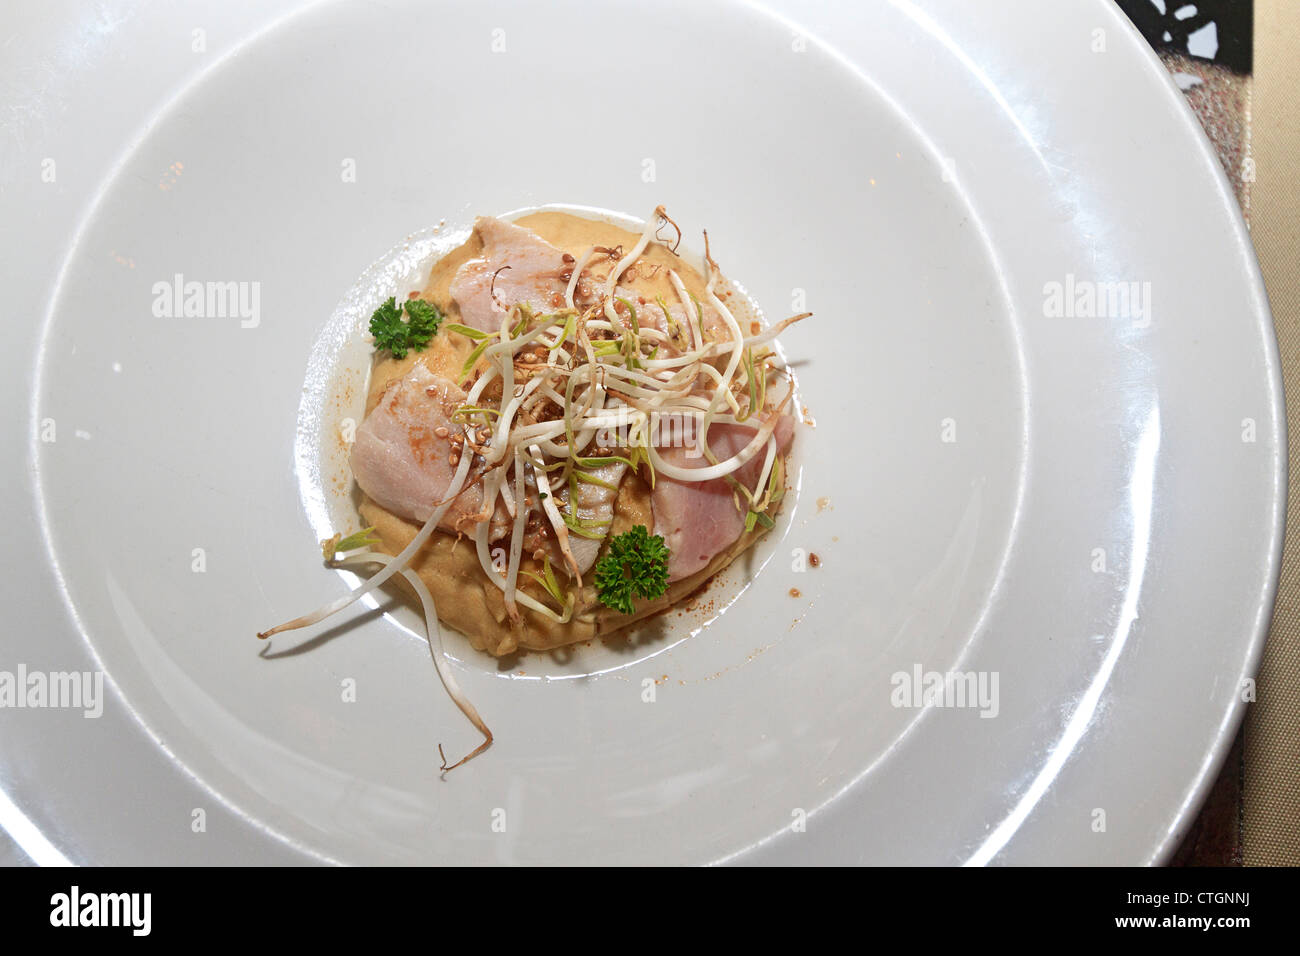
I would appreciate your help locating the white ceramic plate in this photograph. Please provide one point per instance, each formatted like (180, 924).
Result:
(1085, 508)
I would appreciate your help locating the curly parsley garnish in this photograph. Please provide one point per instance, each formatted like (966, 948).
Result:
(636, 564)
(400, 337)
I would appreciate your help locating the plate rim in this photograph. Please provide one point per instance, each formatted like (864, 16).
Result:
(1233, 721)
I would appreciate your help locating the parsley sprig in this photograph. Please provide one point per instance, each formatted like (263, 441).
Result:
(636, 564)
(398, 336)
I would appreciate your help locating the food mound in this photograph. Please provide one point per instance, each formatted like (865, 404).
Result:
(567, 430)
